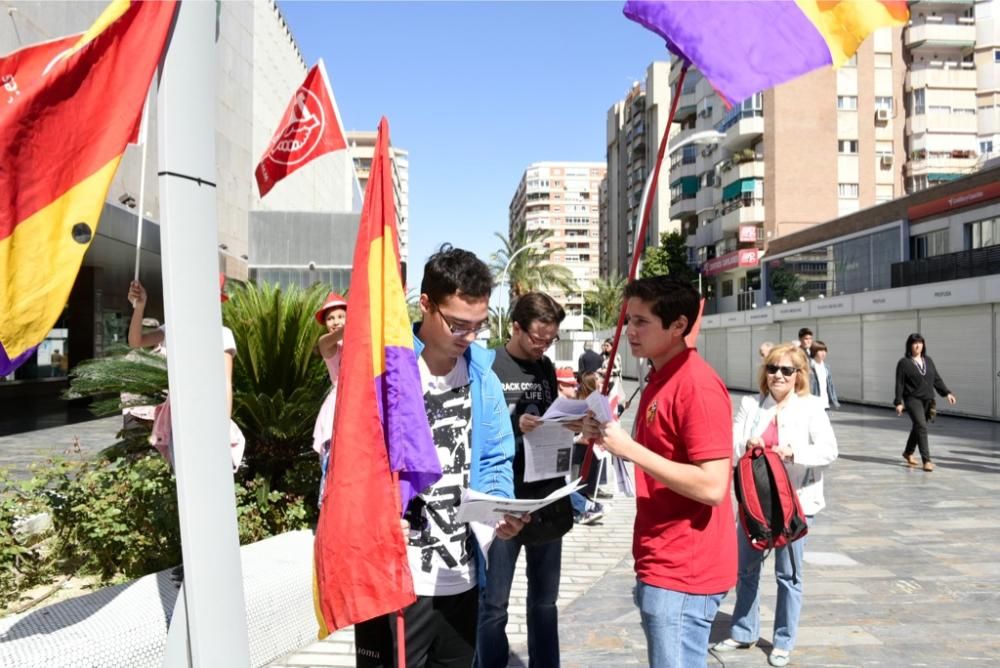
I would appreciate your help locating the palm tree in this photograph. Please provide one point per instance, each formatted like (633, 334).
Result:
(532, 269)
(604, 302)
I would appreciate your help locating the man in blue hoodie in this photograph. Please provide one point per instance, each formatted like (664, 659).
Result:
(475, 443)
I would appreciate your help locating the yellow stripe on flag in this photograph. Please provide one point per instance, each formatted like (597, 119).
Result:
(391, 326)
(39, 261)
(844, 25)
(111, 13)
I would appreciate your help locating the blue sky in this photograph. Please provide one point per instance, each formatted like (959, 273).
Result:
(476, 91)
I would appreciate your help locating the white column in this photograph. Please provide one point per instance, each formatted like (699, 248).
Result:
(213, 585)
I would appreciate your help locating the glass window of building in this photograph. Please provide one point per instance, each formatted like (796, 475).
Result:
(883, 103)
(847, 102)
(847, 145)
(929, 245)
(727, 288)
(918, 100)
(982, 233)
(847, 190)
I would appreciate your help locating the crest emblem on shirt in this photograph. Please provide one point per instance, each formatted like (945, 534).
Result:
(651, 413)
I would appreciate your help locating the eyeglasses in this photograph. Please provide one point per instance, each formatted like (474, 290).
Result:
(541, 342)
(786, 371)
(462, 330)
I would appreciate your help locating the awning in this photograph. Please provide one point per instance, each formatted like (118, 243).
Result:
(737, 188)
(689, 185)
(940, 177)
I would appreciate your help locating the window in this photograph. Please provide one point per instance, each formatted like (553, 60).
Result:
(847, 146)
(727, 288)
(996, 55)
(847, 102)
(847, 190)
(929, 245)
(690, 154)
(986, 147)
(982, 233)
(883, 103)
(918, 101)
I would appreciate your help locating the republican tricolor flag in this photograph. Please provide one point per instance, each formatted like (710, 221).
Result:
(380, 433)
(68, 108)
(747, 46)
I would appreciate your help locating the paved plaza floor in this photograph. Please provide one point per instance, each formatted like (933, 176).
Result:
(902, 568)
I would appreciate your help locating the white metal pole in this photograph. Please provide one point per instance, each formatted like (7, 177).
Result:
(216, 625)
(503, 279)
(144, 152)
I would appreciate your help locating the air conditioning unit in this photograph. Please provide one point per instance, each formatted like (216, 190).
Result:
(708, 150)
(886, 159)
(882, 115)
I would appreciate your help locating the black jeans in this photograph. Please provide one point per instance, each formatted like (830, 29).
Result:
(440, 633)
(917, 410)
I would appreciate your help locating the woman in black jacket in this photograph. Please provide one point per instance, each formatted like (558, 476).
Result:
(916, 380)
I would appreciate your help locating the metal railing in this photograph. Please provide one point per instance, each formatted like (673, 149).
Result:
(948, 267)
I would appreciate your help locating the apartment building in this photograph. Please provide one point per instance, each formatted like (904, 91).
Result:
(563, 198)
(635, 126)
(362, 147)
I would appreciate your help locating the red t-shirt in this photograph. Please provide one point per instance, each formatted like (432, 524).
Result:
(680, 544)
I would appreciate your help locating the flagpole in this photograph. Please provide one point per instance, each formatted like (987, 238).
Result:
(208, 627)
(649, 193)
(357, 197)
(140, 213)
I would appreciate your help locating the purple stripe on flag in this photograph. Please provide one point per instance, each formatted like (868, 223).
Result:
(741, 47)
(8, 365)
(404, 421)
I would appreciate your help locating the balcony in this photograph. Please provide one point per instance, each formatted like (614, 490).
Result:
(706, 198)
(752, 169)
(924, 166)
(738, 212)
(941, 122)
(683, 205)
(934, 77)
(948, 267)
(745, 130)
(941, 36)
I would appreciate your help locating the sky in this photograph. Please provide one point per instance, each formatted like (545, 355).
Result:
(475, 91)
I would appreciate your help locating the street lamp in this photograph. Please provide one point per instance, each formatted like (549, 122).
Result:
(503, 279)
(593, 325)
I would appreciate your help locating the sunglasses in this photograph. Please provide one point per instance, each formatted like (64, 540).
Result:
(786, 371)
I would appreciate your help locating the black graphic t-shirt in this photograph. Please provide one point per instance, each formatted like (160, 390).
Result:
(529, 387)
(439, 547)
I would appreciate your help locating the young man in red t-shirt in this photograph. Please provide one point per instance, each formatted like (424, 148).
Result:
(685, 537)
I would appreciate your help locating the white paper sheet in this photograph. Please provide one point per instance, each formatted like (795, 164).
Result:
(565, 410)
(479, 507)
(548, 452)
(599, 404)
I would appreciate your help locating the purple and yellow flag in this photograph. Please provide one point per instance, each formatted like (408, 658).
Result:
(380, 431)
(746, 46)
(68, 108)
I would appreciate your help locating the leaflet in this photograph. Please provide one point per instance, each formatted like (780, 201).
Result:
(479, 507)
(599, 404)
(565, 410)
(548, 452)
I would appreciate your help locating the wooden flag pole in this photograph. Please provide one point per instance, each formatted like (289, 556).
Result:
(649, 192)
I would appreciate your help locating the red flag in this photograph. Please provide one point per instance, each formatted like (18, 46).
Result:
(310, 128)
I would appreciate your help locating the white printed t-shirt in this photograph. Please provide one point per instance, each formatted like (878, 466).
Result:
(440, 549)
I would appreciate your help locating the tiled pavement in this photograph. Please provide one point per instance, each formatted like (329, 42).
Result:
(82, 439)
(902, 568)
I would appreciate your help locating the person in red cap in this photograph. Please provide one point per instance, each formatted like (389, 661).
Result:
(566, 379)
(332, 315)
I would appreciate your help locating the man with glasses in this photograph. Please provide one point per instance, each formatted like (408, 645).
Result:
(529, 382)
(472, 433)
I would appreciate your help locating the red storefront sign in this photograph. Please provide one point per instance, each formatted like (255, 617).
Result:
(737, 259)
(957, 201)
(748, 233)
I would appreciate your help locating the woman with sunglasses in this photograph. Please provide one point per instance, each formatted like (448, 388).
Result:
(784, 417)
(916, 380)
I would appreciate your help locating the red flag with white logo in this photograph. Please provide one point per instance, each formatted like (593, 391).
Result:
(310, 128)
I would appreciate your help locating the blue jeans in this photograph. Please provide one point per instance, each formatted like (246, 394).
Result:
(543, 567)
(581, 504)
(677, 625)
(787, 573)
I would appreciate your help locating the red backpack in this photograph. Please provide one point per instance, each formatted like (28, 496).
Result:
(769, 508)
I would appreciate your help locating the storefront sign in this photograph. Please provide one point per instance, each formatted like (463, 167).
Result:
(760, 317)
(748, 233)
(734, 318)
(963, 199)
(789, 311)
(710, 321)
(742, 258)
(880, 301)
(949, 293)
(819, 308)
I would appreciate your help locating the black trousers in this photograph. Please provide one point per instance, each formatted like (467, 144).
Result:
(440, 633)
(917, 410)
